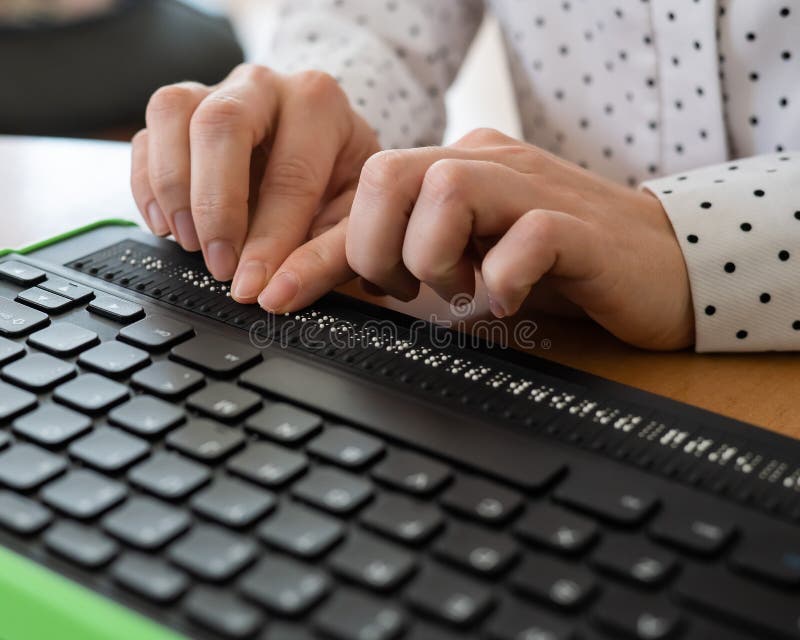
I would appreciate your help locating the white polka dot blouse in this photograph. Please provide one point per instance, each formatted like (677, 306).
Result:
(697, 101)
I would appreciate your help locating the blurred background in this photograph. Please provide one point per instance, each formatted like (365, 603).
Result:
(86, 68)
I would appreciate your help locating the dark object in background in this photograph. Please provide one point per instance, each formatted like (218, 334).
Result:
(100, 73)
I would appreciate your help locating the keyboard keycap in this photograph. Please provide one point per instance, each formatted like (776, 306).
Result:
(556, 528)
(146, 523)
(146, 416)
(21, 273)
(169, 475)
(24, 467)
(770, 554)
(559, 584)
(4, 440)
(224, 401)
(114, 359)
(155, 333)
(401, 518)
(77, 293)
(351, 616)
(233, 503)
(91, 393)
(39, 371)
(484, 552)
(223, 613)
(371, 562)
(637, 616)
(449, 596)
(81, 544)
(63, 339)
(301, 531)
(116, 309)
(44, 300)
(83, 494)
(701, 534)
(335, 491)
(284, 423)
(149, 577)
(21, 515)
(284, 585)
(267, 464)
(167, 379)
(17, 319)
(10, 351)
(613, 499)
(481, 499)
(109, 449)
(14, 401)
(205, 440)
(345, 447)
(212, 553)
(517, 620)
(216, 355)
(51, 425)
(634, 559)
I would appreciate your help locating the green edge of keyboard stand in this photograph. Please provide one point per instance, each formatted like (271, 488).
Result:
(109, 222)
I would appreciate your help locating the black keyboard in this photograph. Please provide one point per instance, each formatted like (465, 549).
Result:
(346, 473)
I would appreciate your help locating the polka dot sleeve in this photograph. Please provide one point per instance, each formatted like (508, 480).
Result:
(394, 58)
(738, 225)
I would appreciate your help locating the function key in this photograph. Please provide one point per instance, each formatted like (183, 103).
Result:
(449, 596)
(115, 308)
(301, 531)
(20, 273)
(10, 350)
(371, 562)
(114, 359)
(155, 333)
(284, 585)
(149, 577)
(212, 553)
(224, 401)
(481, 499)
(169, 475)
(24, 467)
(63, 339)
(484, 552)
(44, 300)
(517, 620)
(91, 393)
(222, 613)
(772, 554)
(346, 447)
(411, 472)
(39, 371)
(22, 515)
(167, 379)
(556, 528)
(216, 355)
(333, 490)
(71, 290)
(699, 534)
(52, 425)
(634, 559)
(17, 319)
(284, 423)
(205, 440)
(232, 502)
(637, 616)
(14, 401)
(352, 616)
(109, 449)
(146, 523)
(615, 500)
(146, 415)
(557, 583)
(81, 544)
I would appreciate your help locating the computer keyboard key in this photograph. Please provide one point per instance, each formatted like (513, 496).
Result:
(146, 416)
(155, 332)
(14, 401)
(115, 359)
(205, 440)
(701, 534)
(216, 355)
(284, 423)
(63, 339)
(556, 528)
(149, 577)
(10, 351)
(348, 615)
(39, 371)
(17, 319)
(345, 447)
(404, 519)
(91, 393)
(772, 554)
(51, 425)
(5, 439)
(634, 559)
(267, 464)
(637, 616)
(21, 273)
(222, 613)
(115, 309)
(371, 562)
(169, 475)
(336, 491)
(284, 586)
(84, 494)
(285, 630)
(24, 467)
(146, 523)
(212, 553)
(481, 499)
(109, 449)
(81, 544)
(614, 500)
(232, 502)
(517, 620)
(301, 531)
(167, 379)
(224, 401)
(22, 515)
(559, 584)
(475, 549)
(75, 292)
(449, 596)
(44, 300)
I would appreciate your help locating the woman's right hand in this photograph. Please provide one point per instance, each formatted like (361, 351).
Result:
(258, 171)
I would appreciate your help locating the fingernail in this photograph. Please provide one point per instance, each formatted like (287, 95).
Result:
(496, 309)
(185, 233)
(157, 221)
(280, 291)
(222, 259)
(249, 280)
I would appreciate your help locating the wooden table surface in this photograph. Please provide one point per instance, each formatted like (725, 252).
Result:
(51, 185)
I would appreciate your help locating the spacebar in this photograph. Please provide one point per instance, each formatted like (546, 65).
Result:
(503, 453)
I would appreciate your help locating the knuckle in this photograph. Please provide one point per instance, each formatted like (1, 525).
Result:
(293, 177)
(219, 113)
(165, 177)
(483, 136)
(445, 180)
(423, 268)
(254, 72)
(317, 86)
(540, 225)
(214, 207)
(169, 99)
(140, 137)
(382, 169)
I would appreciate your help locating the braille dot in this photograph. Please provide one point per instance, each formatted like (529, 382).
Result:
(670, 16)
(682, 178)
(765, 298)
(609, 109)
(733, 167)
(676, 61)
(679, 104)
(652, 168)
(563, 49)
(784, 12)
(710, 310)
(786, 55)
(692, 238)
(718, 181)
(797, 215)
(783, 102)
(667, 191)
(750, 36)
(778, 147)
(741, 334)
(705, 205)
(746, 226)
(753, 76)
(678, 148)
(753, 121)
(650, 82)
(647, 39)
(703, 134)
(653, 125)
(629, 139)
(730, 267)
(700, 91)
(584, 123)
(783, 255)
(758, 193)
(796, 325)
(607, 152)
(697, 45)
